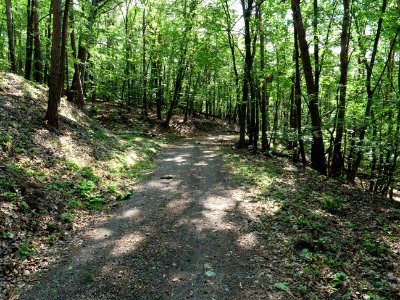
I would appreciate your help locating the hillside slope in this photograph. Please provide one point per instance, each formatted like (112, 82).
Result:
(50, 181)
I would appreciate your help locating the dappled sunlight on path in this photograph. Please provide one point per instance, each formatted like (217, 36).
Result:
(181, 235)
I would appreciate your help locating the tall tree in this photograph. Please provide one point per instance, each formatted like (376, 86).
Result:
(247, 8)
(77, 90)
(337, 157)
(63, 51)
(29, 40)
(54, 81)
(37, 54)
(318, 161)
(145, 113)
(264, 81)
(10, 32)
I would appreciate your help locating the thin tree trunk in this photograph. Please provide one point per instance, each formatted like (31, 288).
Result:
(355, 159)
(318, 161)
(238, 106)
(297, 100)
(396, 146)
(247, 12)
(264, 108)
(48, 34)
(145, 114)
(337, 157)
(316, 52)
(10, 33)
(64, 36)
(29, 41)
(159, 93)
(177, 90)
(188, 95)
(77, 89)
(37, 54)
(54, 82)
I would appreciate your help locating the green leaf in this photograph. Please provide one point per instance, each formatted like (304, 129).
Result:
(282, 286)
(210, 273)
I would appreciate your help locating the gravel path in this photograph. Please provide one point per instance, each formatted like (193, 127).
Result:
(182, 235)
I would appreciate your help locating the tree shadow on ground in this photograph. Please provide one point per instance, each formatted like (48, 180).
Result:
(326, 240)
(40, 170)
(176, 238)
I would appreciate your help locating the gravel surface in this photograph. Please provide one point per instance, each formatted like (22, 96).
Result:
(182, 235)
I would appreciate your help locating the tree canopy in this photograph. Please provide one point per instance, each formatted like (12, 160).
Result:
(316, 80)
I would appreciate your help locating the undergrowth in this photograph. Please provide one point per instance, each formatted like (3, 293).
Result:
(48, 181)
(326, 240)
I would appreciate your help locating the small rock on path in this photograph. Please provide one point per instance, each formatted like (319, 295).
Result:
(180, 238)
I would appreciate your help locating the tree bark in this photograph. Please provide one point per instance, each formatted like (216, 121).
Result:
(247, 7)
(77, 89)
(337, 157)
(10, 33)
(63, 52)
(238, 108)
(37, 53)
(29, 41)
(318, 161)
(145, 114)
(264, 82)
(54, 80)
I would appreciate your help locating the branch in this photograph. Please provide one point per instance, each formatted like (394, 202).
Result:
(387, 61)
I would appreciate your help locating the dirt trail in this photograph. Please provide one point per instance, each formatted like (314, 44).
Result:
(182, 235)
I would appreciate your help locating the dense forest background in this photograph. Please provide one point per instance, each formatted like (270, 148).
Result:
(317, 81)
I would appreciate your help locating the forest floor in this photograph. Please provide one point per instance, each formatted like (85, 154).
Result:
(138, 212)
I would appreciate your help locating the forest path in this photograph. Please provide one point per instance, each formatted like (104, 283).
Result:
(182, 235)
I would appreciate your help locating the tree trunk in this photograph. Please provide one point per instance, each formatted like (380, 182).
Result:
(77, 88)
(145, 114)
(264, 82)
(188, 95)
(247, 12)
(10, 33)
(84, 44)
(37, 54)
(54, 81)
(159, 93)
(29, 41)
(317, 68)
(297, 100)
(177, 90)
(337, 157)
(355, 159)
(238, 106)
(48, 34)
(63, 52)
(318, 161)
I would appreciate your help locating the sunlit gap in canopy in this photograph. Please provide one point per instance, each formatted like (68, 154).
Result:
(239, 22)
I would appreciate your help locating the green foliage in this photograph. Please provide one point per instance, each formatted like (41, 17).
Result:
(339, 279)
(282, 286)
(331, 204)
(12, 197)
(7, 235)
(72, 204)
(84, 188)
(374, 247)
(67, 217)
(6, 141)
(96, 202)
(26, 250)
(98, 134)
(87, 173)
